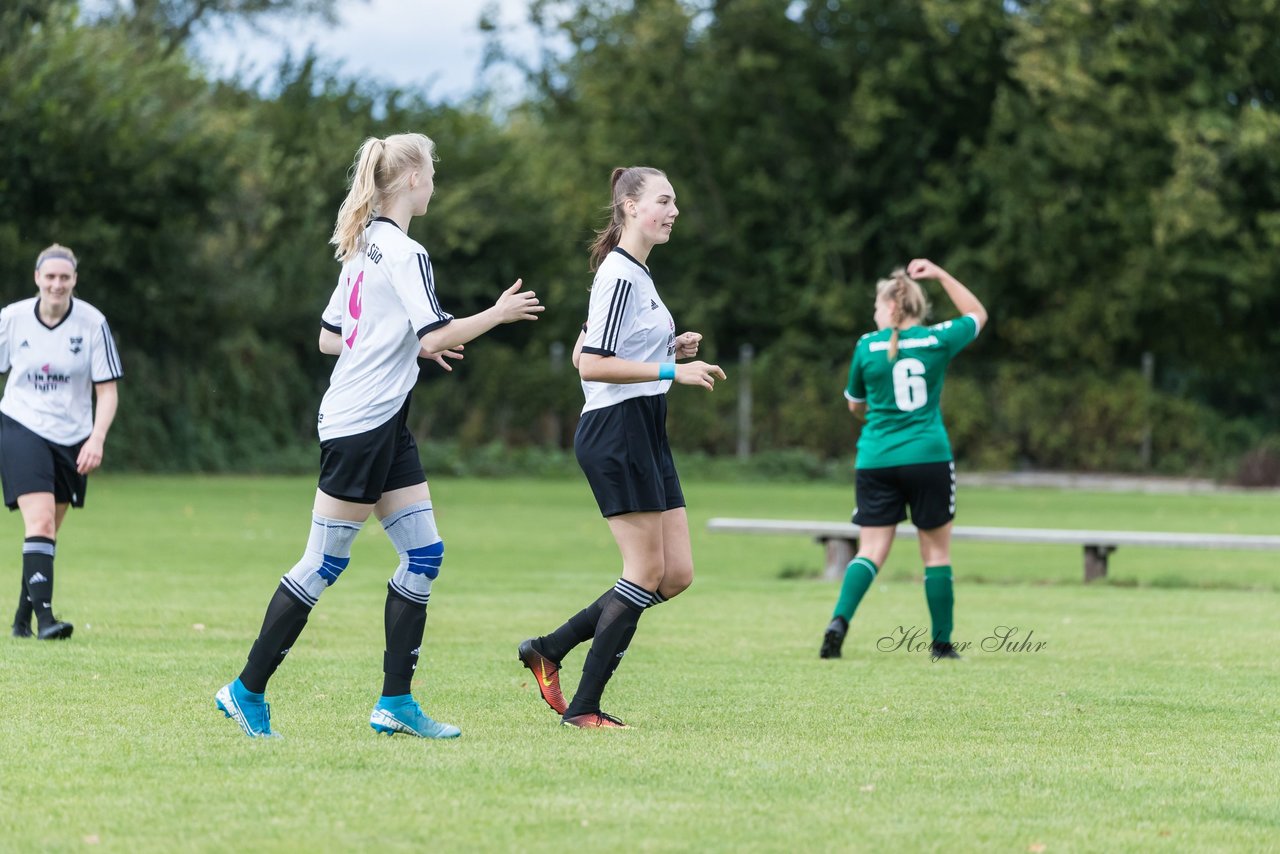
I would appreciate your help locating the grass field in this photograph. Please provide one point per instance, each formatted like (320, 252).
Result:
(1148, 720)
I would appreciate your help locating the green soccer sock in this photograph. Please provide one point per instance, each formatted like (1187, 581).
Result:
(941, 598)
(858, 576)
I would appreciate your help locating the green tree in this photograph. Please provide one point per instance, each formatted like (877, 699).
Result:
(1102, 173)
(171, 23)
(1132, 207)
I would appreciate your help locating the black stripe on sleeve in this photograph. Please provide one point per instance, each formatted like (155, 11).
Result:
(113, 356)
(613, 322)
(429, 285)
(597, 351)
(337, 330)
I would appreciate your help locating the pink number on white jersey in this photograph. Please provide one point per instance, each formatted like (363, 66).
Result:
(353, 307)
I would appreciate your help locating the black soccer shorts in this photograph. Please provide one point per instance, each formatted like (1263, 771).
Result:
(31, 463)
(884, 494)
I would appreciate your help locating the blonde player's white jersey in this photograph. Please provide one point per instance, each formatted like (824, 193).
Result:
(52, 369)
(384, 302)
(626, 319)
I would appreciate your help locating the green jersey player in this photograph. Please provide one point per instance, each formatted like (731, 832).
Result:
(904, 456)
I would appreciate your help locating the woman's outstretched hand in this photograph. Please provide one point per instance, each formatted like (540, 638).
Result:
(439, 358)
(699, 373)
(515, 304)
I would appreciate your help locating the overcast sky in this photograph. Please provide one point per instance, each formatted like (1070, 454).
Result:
(435, 45)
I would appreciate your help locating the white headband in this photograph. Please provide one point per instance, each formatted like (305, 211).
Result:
(55, 253)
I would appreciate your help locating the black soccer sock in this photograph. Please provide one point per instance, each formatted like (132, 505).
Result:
(22, 616)
(578, 628)
(614, 630)
(281, 626)
(405, 623)
(37, 570)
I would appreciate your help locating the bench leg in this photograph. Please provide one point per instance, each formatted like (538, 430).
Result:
(838, 554)
(1095, 562)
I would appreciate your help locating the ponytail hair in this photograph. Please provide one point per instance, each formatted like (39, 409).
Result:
(380, 172)
(57, 250)
(909, 303)
(625, 183)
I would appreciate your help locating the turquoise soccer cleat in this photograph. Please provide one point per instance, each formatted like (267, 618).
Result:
(249, 710)
(403, 714)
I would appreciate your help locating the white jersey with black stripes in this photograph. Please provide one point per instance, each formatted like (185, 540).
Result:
(52, 369)
(626, 319)
(384, 302)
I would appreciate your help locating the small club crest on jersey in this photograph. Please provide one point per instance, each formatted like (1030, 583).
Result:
(77, 343)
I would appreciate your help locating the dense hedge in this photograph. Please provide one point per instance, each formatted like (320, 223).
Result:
(1103, 176)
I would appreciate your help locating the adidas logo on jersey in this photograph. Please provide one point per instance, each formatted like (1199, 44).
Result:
(653, 304)
(25, 343)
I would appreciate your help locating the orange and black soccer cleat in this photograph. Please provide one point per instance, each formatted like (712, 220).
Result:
(546, 673)
(594, 720)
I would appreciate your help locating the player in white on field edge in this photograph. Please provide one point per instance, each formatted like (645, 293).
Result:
(59, 354)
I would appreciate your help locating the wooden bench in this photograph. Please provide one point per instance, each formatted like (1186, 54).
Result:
(840, 539)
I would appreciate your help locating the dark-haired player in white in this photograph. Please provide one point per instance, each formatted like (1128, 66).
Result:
(59, 353)
(382, 317)
(626, 357)
(904, 454)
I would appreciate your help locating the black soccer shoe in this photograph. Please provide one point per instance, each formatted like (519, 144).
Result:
(21, 631)
(943, 650)
(57, 630)
(833, 640)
